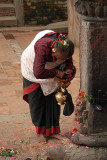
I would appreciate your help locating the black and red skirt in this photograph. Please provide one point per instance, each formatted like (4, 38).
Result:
(44, 110)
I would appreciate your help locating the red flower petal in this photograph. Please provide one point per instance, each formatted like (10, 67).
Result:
(75, 130)
(70, 75)
(86, 147)
(81, 94)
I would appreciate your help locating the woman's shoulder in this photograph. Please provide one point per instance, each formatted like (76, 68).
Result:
(45, 42)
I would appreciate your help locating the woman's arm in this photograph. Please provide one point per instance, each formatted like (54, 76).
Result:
(70, 61)
(39, 65)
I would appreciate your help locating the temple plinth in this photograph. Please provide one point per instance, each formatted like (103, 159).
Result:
(90, 116)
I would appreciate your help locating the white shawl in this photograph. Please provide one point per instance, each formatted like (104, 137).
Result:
(48, 85)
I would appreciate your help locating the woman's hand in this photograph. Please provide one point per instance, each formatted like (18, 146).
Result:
(60, 74)
(64, 85)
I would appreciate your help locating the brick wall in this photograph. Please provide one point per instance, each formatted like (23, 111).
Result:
(43, 12)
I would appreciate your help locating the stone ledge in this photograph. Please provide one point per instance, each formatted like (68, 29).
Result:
(91, 140)
(6, 5)
(61, 27)
(22, 29)
(8, 21)
(87, 18)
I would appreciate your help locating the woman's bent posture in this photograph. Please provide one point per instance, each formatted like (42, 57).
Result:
(40, 84)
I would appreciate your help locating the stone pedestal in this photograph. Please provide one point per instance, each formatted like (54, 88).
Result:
(91, 116)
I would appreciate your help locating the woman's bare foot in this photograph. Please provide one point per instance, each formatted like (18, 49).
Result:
(41, 138)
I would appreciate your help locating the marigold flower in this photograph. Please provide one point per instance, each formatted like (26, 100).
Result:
(62, 42)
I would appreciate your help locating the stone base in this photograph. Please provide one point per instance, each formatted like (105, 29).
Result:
(96, 140)
(75, 152)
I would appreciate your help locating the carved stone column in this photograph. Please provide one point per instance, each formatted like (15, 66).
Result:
(91, 117)
(19, 12)
(73, 22)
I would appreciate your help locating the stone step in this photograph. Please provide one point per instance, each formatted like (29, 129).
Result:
(7, 9)
(8, 21)
(6, 1)
(61, 27)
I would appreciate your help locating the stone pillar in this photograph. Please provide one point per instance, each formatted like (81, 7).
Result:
(91, 116)
(73, 23)
(19, 12)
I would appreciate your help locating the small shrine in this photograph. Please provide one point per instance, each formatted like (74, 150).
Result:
(91, 108)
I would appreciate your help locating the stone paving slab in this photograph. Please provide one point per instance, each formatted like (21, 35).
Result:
(24, 39)
(15, 122)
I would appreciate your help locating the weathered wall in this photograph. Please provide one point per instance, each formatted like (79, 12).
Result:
(6, 1)
(73, 22)
(43, 12)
